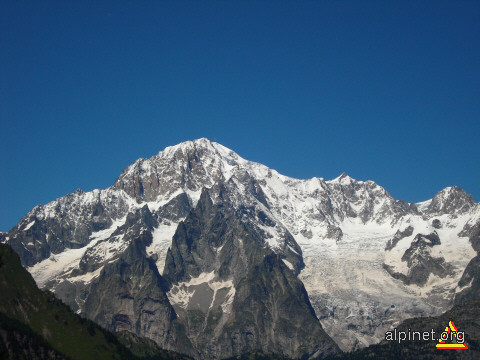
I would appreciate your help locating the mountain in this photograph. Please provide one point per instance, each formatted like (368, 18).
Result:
(216, 256)
(465, 314)
(36, 325)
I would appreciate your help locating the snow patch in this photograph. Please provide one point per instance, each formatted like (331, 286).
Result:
(289, 264)
(423, 206)
(227, 303)
(194, 196)
(162, 240)
(63, 263)
(29, 225)
(461, 288)
(86, 278)
(182, 293)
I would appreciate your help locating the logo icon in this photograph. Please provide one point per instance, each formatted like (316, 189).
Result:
(451, 338)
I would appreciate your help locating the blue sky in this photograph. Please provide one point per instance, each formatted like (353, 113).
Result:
(383, 90)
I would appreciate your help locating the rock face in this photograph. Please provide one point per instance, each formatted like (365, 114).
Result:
(214, 256)
(36, 325)
(235, 293)
(469, 284)
(399, 235)
(66, 223)
(130, 295)
(451, 200)
(420, 261)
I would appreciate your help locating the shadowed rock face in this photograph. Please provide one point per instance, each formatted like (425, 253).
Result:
(34, 324)
(469, 284)
(130, 295)
(288, 325)
(263, 306)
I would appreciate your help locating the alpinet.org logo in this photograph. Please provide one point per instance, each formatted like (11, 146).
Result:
(451, 338)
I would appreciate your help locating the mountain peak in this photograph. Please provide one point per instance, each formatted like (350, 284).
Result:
(190, 165)
(344, 178)
(200, 142)
(452, 199)
(190, 144)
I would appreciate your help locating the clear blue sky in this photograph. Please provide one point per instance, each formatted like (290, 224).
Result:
(383, 90)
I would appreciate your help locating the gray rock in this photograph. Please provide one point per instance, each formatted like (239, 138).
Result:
(469, 284)
(452, 200)
(271, 311)
(65, 223)
(420, 261)
(437, 224)
(130, 295)
(399, 235)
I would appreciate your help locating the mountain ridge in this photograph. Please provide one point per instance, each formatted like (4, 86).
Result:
(313, 225)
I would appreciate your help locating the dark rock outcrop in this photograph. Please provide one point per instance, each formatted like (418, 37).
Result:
(130, 295)
(399, 235)
(270, 311)
(420, 261)
(36, 325)
(469, 284)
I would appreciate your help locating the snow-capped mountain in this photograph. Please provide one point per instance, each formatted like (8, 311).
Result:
(214, 255)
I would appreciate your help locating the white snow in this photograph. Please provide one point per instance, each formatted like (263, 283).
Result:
(162, 240)
(349, 275)
(181, 294)
(65, 262)
(289, 264)
(155, 205)
(29, 225)
(105, 250)
(86, 278)
(218, 285)
(194, 196)
(274, 235)
(423, 206)
(461, 288)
